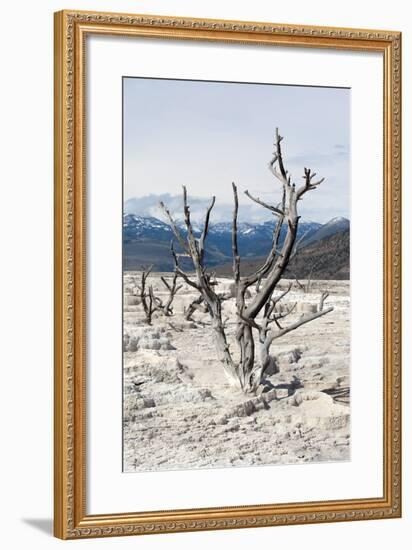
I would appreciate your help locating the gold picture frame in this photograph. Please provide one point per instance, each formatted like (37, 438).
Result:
(71, 520)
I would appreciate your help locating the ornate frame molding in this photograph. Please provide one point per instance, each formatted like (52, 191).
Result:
(71, 520)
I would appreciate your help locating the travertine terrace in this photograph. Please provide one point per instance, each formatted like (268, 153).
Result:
(180, 412)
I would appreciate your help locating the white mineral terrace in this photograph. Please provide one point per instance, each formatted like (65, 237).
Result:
(180, 412)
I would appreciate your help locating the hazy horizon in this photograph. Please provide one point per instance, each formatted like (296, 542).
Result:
(147, 206)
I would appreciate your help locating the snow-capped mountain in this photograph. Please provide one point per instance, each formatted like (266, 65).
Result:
(137, 227)
(146, 239)
(333, 226)
(254, 238)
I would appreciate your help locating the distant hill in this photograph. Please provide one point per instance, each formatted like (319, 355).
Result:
(146, 241)
(328, 258)
(325, 259)
(335, 225)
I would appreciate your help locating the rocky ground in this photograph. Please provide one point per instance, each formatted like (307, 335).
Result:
(180, 412)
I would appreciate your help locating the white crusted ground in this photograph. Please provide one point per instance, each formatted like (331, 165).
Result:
(179, 411)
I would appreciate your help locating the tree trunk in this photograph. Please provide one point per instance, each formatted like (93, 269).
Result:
(223, 353)
(247, 368)
(267, 361)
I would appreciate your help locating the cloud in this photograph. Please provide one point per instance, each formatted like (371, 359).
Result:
(149, 206)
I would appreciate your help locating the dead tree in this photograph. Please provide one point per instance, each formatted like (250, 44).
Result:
(247, 372)
(196, 305)
(152, 303)
(146, 295)
(173, 288)
(306, 286)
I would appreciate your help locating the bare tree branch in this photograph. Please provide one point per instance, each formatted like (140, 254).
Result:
(273, 209)
(205, 230)
(197, 304)
(173, 289)
(282, 294)
(251, 322)
(235, 250)
(284, 314)
(296, 247)
(305, 319)
(191, 240)
(299, 284)
(174, 227)
(266, 267)
(146, 297)
(323, 297)
(309, 184)
(278, 158)
(180, 271)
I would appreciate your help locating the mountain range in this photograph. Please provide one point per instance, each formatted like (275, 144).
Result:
(146, 241)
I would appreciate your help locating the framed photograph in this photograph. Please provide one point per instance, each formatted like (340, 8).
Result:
(227, 274)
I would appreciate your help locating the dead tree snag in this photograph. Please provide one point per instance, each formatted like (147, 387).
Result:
(261, 312)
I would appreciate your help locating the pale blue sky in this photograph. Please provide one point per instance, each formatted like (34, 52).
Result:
(207, 134)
